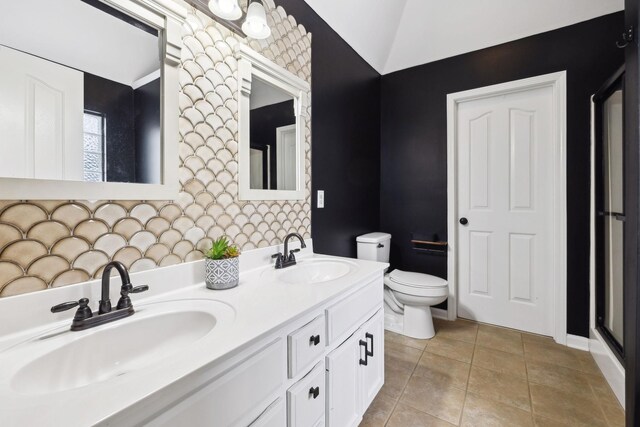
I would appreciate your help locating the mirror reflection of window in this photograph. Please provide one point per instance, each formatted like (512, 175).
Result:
(94, 156)
(106, 63)
(273, 155)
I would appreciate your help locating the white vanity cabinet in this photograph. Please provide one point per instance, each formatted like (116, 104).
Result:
(240, 396)
(355, 373)
(343, 408)
(323, 369)
(373, 372)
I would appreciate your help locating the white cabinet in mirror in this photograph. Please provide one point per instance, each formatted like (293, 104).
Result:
(272, 125)
(91, 110)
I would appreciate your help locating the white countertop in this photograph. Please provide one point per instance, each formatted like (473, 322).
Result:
(261, 303)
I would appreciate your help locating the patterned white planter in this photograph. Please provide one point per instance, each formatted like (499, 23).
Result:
(222, 273)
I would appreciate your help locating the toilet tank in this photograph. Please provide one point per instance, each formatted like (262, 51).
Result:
(374, 246)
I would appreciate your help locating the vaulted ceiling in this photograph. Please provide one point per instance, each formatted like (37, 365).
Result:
(392, 35)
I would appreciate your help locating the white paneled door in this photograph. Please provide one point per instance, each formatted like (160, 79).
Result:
(41, 131)
(286, 157)
(505, 200)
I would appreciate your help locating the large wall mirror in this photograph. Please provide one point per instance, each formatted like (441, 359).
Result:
(88, 99)
(272, 121)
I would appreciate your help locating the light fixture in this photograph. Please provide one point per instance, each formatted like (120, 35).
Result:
(226, 9)
(252, 23)
(255, 24)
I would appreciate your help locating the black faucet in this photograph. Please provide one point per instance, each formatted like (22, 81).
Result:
(289, 258)
(84, 318)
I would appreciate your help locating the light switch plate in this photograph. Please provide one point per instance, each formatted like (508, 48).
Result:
(320, 199)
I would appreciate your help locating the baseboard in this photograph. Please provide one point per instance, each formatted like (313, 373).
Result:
(391, 322)
(578, 342)
(439, 313)
(609, 365)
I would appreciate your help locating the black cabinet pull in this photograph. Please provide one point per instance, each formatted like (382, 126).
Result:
(314, 392)
(314, 339)
(369, 337)
(364, 362)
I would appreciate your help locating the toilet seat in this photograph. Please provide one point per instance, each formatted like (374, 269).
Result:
(416, 284)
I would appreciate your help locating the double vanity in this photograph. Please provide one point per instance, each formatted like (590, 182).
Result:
(219, 144)
(299, 346)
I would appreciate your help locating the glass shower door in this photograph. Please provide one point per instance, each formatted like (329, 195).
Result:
(610, 214)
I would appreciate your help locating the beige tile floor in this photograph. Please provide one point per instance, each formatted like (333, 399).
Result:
(480, 375)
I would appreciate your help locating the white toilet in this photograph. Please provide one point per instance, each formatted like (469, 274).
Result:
(408, 296)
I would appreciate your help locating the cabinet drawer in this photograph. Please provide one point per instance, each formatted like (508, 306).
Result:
(237, 397)
(349, 313)
(306, 345)
(305, 399)
(274, 416)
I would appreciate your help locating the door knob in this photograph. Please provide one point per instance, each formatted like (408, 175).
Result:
(464, 221)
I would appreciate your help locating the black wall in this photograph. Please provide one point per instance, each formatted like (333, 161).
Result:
(263, 123)
(148, 149)
(345, 109)
(133, 147)
(414, 139)
(115, 101)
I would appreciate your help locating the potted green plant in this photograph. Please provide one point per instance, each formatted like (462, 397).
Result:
(222, 266)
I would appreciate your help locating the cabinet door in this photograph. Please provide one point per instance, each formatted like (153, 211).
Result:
(234, 399)
(343, 383)
(372, 332)
(274, 416)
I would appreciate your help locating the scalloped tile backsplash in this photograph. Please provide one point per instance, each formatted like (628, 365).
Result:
(55, 243)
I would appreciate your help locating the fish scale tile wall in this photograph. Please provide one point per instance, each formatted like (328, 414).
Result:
(55, 243)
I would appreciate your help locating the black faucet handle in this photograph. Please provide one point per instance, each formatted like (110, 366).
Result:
(83, 313)
(65, 306)
(279, 259)
(125, 301)
(292, 256)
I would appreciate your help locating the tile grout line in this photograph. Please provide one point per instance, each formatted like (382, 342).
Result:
(526, 374)
(466, 389)
(476, 347)
(526, 360)
(526, 379)
(473, 355)
(599, 403)
(405, 386)
(598, 399)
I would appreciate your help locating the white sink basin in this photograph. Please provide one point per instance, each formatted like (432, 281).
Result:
(315, 271)
(68, 360)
